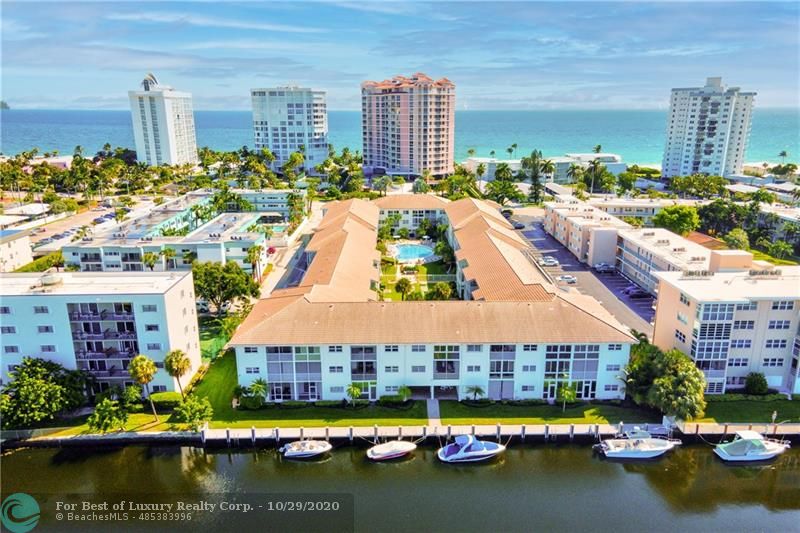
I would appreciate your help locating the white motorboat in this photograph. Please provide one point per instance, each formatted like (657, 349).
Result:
(305, 449)
(636, 448)
(750, 446)
(467, 449)
(638, 433)
(391, 450)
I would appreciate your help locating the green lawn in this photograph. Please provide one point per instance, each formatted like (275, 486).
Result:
(219, 382)
(456, 413)
(136, 422)
(435, 268)
(761, 256)
(749, 411)
(211, 338)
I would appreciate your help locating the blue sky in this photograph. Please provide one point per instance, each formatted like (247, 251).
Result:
(518, 55)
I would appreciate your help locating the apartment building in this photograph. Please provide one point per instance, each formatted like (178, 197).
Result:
(734, 322)
(612, 162)
(707, 130)
(412, 209)
(517, 336)
(15, 249)
(408, 125)
(643, 209)
(223, 237)
(291, 119)
(163, 124)
(99, 321)
(586, 231)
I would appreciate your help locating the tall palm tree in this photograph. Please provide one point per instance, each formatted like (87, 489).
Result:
(492, 154)
(177, 364)
(548, 168)
(510, 150)
(595, 167)
(475, 390)
(470, 152)
(514, 147)
(575, 172)
(783, 155)
(169, 256)
(597, 148)
(142, 370)
(254, 258)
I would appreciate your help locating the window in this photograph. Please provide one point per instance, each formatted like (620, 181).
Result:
(682, 318)
(48, 348)
(612, 368)
(8, 329)
(773, 361)
(251, 349)
(392, 369)
(738, 361)
(43, 310)
(744, 324)
(734, 380)
(528, 388)
(151, 327)
(684, 299)
(783, 305)
(529, 368)
(159, 388)
(714, 387)
(418, 369)
(153, 345)
(391, 388)
(336, 389)
(5, 310)
(680, 336)
(44, 329)
(741, 343)
(252, 370)
(779, 324)
(335, 349)
(473, 368)
(336, 369)
(529, 347)
(390, 348)
(445, 361)
(11, 349)
(776, 343)
(417, 347)
(611, 388)
(149, 308)
(614, 347)
(749, 306)
(474, 348)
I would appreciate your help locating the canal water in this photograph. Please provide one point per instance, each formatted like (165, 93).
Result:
(531, 488)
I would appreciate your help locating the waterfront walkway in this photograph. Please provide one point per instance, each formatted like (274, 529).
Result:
(434, 418)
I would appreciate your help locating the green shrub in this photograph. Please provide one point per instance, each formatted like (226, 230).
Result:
(391, 400)
(756, 384)
(293, 404)
(526, 403)
(480, 402)
(737, 397)
(330, 403)
(251, 402)
(166, 400)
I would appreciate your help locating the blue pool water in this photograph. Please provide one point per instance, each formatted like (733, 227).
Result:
(411, 252)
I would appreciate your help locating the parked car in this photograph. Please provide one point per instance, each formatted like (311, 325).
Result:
(603, 268)
(630, 288)
(639, 293)
(109, 215)
(568, 278)
(100, 220)
(549, 262)
(44, 241)
(202, 306)
(519, 225)
(507, 213)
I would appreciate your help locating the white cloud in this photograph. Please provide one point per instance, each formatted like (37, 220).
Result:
(14, 30)
(209, 22)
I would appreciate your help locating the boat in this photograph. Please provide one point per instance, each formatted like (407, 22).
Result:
(391, 450)
(636, 448)
(750, 446)
(638, 433)
(467, 449)
(305, 449)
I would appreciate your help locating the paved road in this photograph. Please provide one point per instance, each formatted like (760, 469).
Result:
(606, 288)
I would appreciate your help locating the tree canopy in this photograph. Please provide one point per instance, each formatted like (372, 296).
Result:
(680, 219)
(220, 284)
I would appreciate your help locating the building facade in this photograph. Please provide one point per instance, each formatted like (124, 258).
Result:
(15, 249)
(589, 233)
(707, 130)
(733, 323)
(163, 124)
(408, 125)
(286, 119)
(99, 322)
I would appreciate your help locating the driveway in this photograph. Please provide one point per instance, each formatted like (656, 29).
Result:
(605, 288)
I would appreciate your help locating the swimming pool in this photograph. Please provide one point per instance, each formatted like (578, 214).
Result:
(412, 252)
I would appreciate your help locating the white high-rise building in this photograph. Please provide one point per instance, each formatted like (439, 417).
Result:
(163, 124)
(707, 130)
(288, 118)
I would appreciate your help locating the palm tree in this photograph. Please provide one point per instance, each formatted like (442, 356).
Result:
(475, 390)
(492, 154)
(575, 172)
(514, 147)
(149, 259)
(548, 168)
(404, 391)
(259, 388)
(510, 150)
(403, 286)
(177, 364)
(120, 215)
(254, 258)
(142, 370)
(597, 148)
(640, 336)
(169, 256)
(595, 167)
(783, 155)
(470, 152)
(353, 392)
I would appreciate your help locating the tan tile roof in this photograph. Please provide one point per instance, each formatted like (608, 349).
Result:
(302, 322)
(411, 201)
(401, 82)
(495, 254)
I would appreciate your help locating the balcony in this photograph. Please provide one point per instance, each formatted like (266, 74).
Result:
(115, 354)
(369, 376)
(445, 375)
(103, 315)
(104, 335)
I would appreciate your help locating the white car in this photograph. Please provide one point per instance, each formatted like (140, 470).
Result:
(549, 262)
(567, 278)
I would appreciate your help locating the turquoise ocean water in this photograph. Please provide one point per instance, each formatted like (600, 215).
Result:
(637, 135)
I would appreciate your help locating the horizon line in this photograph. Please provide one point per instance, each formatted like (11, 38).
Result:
(358, 110)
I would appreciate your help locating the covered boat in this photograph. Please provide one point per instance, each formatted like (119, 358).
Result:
(467, 448)
(636, 448)
(305, 449)
(750, 446)
(391, 450)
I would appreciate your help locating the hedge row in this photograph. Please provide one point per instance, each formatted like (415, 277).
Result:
(735, 397)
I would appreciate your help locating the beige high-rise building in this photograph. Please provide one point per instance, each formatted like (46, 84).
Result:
(408, 125)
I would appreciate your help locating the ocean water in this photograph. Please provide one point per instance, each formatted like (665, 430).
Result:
(636, 135)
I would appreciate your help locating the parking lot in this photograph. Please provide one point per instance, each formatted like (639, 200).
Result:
(606, 288)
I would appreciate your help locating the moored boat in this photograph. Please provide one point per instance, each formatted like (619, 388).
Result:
(305, 449)
(750, 446)
(391, 450)
(636, 448)
(467, 449)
